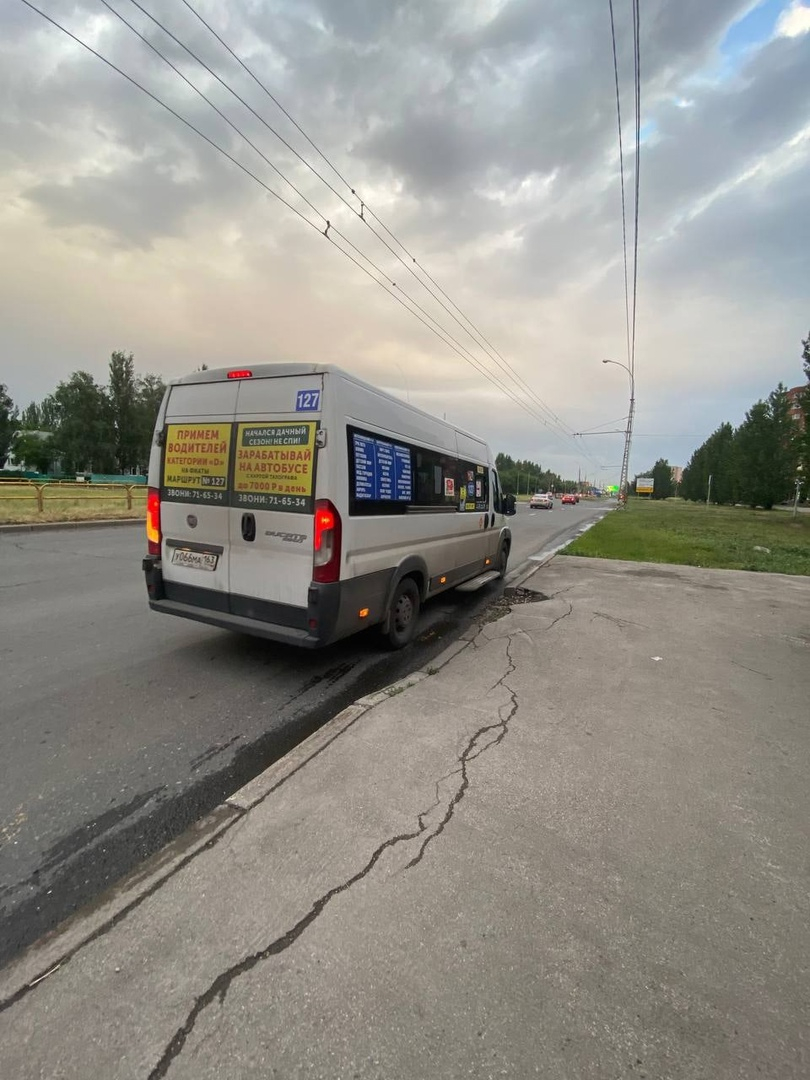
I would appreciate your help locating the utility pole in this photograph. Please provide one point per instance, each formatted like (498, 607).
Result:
(709, 492)
(628, 433)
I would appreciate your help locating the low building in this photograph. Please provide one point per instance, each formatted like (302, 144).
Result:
(12, 464)
(795, 397)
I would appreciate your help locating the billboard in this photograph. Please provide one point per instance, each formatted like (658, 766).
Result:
(644, 485)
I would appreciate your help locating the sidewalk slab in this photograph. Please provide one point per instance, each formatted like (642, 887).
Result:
(580, 850)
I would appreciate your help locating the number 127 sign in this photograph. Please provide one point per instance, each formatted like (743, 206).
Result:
(308, 401)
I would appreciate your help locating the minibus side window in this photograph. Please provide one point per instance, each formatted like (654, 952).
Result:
(473, 487)
(496, 493)
(436, 479)
(381, 474)
(389, 476)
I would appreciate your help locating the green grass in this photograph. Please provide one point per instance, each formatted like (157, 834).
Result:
(692, 534)
(68, 502)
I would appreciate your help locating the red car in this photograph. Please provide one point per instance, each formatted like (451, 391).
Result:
(568, 499)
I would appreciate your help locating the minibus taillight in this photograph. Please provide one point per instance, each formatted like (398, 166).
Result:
(153, 520)
(326, 555)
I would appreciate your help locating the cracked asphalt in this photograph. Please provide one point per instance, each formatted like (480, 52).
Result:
(578, 849)
(121, 728)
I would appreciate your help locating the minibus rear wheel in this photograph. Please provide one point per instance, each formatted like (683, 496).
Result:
(404, 613)
(503, 561)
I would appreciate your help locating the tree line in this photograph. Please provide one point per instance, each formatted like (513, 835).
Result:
(84, 426)
(759, 462)
(523, 477)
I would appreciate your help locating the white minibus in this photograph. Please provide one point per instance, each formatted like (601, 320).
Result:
(300, 504)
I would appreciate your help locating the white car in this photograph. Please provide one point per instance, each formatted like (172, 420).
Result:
(541, 501)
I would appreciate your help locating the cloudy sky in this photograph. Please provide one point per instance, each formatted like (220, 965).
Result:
(483, 135)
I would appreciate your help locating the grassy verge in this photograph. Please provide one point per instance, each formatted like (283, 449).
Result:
(695, 535)
(19, 505)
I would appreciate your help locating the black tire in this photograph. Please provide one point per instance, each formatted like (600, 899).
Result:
(404, 614)
(503, 559)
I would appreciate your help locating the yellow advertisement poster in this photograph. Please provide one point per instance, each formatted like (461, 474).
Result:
(274, 467)
(195, 462)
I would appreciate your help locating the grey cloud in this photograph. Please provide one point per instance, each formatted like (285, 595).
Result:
(728, 127)
(363, 21)
(449, 123)
(136, 204)
(672, 33)
(754, 239)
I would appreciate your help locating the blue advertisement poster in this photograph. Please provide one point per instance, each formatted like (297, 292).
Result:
(382, 470)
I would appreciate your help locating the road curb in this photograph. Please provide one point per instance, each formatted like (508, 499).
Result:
(280, 771)
(56, 948)
(276, 774)
(48, 954)
(54, 526)
(45, 956)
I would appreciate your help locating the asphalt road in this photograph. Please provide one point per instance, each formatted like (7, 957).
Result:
(121, 727)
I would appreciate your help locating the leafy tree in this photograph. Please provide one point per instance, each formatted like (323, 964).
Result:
(8, 422)
(31, 417)
(663, 485)
(49, 414)
(149, 394)
(33, 449)
(123, 398)
(85, 433)
(766, 452)
(715, 458)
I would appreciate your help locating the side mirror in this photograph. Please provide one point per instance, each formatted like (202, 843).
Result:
(508, 505)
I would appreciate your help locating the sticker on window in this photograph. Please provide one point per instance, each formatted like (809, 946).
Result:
(382, 470)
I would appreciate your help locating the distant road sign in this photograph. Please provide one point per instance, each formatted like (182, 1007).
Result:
(644, 485)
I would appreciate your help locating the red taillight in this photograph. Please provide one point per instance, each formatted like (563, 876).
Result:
(153, 520)
(326, 553)
(241, 373)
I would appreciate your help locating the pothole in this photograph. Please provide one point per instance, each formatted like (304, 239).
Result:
(511, 598)
(524, 596)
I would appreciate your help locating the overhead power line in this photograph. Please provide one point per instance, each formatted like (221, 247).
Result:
(384, 281)
(470, 326)
(637, 83)
(630, 321)
(439, 332)
(358, 253)
(621, 174)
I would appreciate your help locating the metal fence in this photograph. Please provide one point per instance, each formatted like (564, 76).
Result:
(56, 492)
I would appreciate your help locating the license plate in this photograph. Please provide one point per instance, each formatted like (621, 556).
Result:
(194, 560)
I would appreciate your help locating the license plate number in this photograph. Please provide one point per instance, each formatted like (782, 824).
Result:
(194, 560)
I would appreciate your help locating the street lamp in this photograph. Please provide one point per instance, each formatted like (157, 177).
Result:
(628, 434)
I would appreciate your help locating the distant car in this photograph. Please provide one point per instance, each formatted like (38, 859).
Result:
(568, 500)
(541, 501)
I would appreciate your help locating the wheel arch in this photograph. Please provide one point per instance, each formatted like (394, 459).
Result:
(413, 567)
